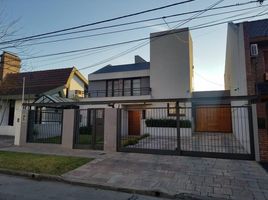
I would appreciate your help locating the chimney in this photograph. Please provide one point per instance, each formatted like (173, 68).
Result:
(139, 59)
(10, 63)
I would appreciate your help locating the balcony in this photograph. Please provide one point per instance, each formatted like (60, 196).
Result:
(120, 93)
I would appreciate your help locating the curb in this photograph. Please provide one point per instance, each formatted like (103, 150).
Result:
(153, 193)
(46, 177)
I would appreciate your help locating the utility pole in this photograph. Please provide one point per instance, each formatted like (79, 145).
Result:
(23, 91)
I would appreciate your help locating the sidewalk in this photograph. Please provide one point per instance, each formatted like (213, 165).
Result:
(174, 175)
(221, 178)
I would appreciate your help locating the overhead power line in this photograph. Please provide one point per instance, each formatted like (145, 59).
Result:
(102, 21)
(205, 25)
(125, 42)
(30, 38)
(135, 28)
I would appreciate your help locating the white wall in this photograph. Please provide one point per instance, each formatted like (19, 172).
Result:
(47, 130)
(117, 75)
(75, 84)
(240, 124)
(4, 112)
(171, 65)
(235, 63)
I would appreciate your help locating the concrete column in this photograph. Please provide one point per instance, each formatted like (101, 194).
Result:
(68, 126)
(255, 132)
(110, 130)
(21, 136)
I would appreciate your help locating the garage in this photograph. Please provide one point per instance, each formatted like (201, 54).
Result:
(213, 118)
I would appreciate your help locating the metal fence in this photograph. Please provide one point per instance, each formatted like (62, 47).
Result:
(45, 126)
(89, 129)
(188, 129)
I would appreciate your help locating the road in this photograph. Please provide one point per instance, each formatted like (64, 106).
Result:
(19, 188)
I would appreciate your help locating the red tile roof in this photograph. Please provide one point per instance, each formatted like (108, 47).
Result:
(37, 82)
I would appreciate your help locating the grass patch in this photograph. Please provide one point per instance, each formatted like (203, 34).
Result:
(51, 140)
(38, 163)
(133, 139)
(87, 139)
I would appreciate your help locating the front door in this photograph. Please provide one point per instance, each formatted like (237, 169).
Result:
(134, 118)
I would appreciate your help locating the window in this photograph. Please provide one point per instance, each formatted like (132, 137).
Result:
(171, 109)
(136, 87)
(109, 89)
(127, 87)
(116, 88)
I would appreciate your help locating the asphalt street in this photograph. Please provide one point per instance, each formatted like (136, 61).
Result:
(19, 188)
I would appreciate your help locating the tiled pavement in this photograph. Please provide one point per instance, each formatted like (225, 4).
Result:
(230, 179)
(202, 142)
(6, 141)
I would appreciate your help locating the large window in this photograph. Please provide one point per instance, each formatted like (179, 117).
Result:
(136, 87)
(123, 87)
(127, 87)
(109, 89)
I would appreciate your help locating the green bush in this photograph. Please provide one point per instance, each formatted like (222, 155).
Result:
(84, 130)
(134, 140)
(169, 123)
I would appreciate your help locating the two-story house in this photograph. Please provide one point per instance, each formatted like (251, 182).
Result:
(168, 75)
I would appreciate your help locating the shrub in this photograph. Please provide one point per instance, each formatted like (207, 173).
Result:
(84, 130)
(135, 140)
(169, 123)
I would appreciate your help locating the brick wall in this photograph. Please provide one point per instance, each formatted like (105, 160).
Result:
(255, 69)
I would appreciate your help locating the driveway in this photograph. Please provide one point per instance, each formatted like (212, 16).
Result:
(6, 141)
(200, 142)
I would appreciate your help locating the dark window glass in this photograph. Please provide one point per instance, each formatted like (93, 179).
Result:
(136, 87)
(127, 87)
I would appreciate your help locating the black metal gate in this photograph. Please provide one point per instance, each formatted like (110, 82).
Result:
(171, 129)
(45, 126)
(89, 129)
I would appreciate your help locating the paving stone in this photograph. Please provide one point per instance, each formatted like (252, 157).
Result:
(222, 190)
(259, 196)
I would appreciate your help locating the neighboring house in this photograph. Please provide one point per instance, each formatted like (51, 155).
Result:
(168, 75)
(61, 83)
(246, 70)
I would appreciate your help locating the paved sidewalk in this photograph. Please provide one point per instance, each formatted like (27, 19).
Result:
(221, 178)
(230, 179)
(6, 141)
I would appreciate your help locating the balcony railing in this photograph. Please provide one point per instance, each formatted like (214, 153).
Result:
(120, 93)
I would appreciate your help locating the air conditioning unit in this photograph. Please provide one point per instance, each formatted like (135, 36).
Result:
(78, 93)
(254, 50)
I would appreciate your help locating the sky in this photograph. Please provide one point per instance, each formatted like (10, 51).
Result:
(39, 16)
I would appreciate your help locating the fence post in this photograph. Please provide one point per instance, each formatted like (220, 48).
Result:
(21, 138)
(178, 127)
(251, 132)
(119, 129)
(68, 128)
(110, 129)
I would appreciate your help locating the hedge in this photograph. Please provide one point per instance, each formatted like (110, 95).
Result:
(171, 123)
(84, 130)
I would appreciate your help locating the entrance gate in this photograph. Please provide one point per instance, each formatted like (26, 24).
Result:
(174, 130)
(89, 129)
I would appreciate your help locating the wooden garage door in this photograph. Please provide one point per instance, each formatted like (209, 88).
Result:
(213, 119)
(134, 119)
